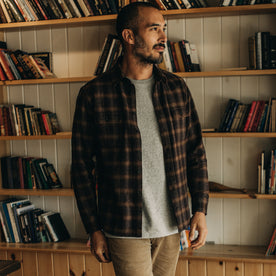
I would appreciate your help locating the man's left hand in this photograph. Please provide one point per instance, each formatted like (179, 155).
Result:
(198, 222)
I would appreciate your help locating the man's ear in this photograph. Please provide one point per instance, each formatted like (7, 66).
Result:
(128, 36)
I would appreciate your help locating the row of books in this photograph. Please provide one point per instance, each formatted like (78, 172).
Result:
(17, 65)
(180, 4)
(28, 173)
(27, 120)
(111, 50)
(271, 248)
(266, 172)
(34, 10)
(180, 56)
(225, 3)
(262, 51)
(259, 116)
(21, 222)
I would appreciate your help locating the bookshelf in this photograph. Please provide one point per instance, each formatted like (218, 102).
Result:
(209, 11)
(221, 73)
(76, 44)
(69, 192)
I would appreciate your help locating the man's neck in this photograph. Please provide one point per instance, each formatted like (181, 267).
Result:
(133, 69)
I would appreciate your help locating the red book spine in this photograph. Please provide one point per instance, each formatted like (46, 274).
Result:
(41, 10)
(258, 116)
(46, 124)
(253, 118)
(6, 66)
(249, 116)
(2, 74)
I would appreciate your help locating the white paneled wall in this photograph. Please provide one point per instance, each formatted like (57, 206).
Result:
(221, 42)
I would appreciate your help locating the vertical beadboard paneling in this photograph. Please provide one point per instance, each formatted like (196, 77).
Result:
(214, 219)
(76, 264)
(43, 39)
(249, 222)
(266, 220)
(267, 87)
(60, 52)
(212, 43)
(212, 105)
(61, 264)
(66, 208)
(91, 49)
(64, 161)
(213, 148)
(75, 51)
(230, 41)
(231, 221)
(28, 40)
(79, 228)
(61, 99)
(176, 29)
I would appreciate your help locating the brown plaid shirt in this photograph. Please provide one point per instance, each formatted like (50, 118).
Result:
(106, 148)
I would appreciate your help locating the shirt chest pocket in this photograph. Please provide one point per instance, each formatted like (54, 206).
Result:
(110, 128)
(180, 120)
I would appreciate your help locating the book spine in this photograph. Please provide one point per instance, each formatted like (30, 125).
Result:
(43, 13)
(6, 66)
(249, 117)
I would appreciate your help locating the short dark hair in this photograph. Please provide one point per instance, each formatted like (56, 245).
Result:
(128, 17)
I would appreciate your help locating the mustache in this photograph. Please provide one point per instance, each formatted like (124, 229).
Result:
(160, 45)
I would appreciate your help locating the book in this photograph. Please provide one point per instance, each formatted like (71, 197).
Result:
(226, 115)
(194, 58)
(56, 226)
(51, 176)
(5, 65)
(271, 248)
(12, 206)
(104, 54)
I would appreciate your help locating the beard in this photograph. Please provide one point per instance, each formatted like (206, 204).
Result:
(143, 58)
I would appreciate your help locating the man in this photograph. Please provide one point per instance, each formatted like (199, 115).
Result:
(136, 134)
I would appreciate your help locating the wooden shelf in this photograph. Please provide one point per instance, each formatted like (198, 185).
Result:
(236, 253)
(252, 195)
(47, 81)
(60, 135)
(37, 192)
(222, 73)
(200, 12)
(70, 192)
(240, 134)
(70, 246)
(68, 135)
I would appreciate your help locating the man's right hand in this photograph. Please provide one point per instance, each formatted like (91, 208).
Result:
(99, 247)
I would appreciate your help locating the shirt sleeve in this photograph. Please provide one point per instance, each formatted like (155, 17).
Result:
(83, 165)
(196, 162)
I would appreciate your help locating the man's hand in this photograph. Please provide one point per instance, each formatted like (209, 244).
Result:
(98, 246)
(198, 222)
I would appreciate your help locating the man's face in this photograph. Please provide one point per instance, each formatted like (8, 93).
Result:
(150, 38)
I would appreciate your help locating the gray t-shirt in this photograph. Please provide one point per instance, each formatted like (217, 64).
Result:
(158, 219)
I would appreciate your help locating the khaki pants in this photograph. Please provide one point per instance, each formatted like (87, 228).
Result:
(145, 257)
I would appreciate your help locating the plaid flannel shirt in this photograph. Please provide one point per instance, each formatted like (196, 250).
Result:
(106, 149)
